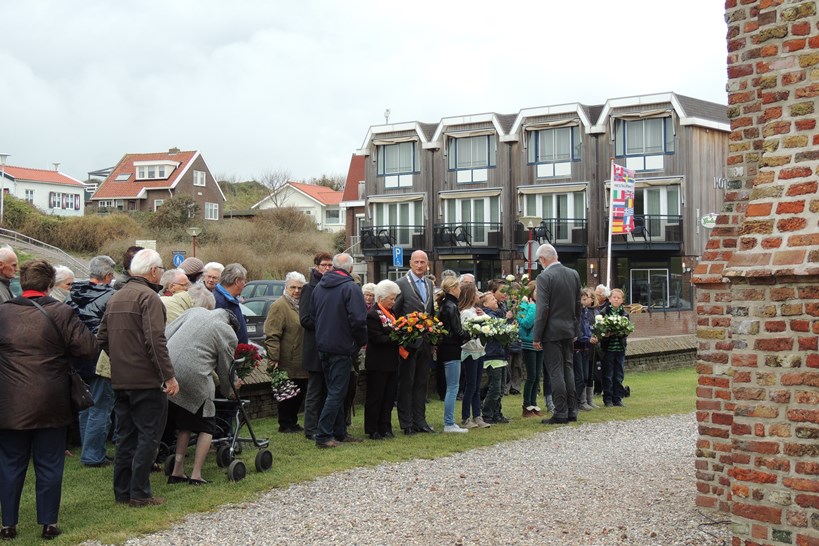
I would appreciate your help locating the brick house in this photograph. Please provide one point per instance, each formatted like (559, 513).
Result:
(758, 286)
(142, 182)
(49, 190)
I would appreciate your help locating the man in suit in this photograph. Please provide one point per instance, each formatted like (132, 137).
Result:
(557, 325)
(417, 293)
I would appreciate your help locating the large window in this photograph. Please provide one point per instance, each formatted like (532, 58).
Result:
(397, 163)
(152, 172)
(478, 216)
(211, 211)
(471, 157)
(660, 208)
(402, 219)
(332, 216)
(553, 150)
(562, 213)
(644, 142)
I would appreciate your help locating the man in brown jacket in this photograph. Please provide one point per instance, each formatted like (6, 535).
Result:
(132, 332)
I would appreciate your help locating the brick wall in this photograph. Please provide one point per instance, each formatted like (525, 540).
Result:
(758, 286)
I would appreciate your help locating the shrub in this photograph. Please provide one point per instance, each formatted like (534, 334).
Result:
(16, 212)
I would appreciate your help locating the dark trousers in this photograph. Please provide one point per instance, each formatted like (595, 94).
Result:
(559, 358)
(533, 360)
(613, 374)
(413, 376)
(141, 416)
(492, 403)
(288, 410)
(440, 379)
(314, 402)
(378, 405)
(47, 446)
(331, 423)
(472, 391)
(582, 371)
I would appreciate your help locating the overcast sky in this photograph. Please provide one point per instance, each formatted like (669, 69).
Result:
(260, 85)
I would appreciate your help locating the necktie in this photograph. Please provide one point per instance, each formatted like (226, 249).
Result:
(422, 288)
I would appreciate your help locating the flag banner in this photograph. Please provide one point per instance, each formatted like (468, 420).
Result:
(622, 200)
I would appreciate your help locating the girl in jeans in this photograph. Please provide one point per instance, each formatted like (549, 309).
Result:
(532, 358)
(472, 353)
(449, 350)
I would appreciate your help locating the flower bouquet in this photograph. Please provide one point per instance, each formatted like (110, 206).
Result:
(246, 358)
(517, 290)
(487, 328)
(409, 330)
(612, 326)
(281, 385)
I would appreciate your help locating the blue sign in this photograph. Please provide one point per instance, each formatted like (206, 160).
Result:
(178, 257)
(397, 256)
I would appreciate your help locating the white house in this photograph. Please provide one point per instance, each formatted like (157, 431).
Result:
(321, 203)
(49, 190)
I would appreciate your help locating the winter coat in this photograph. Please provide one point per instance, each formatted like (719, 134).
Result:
(132, 332)
(309, 354)
(225, 301)
(382, 352)
(283, 338)
(5, 290)
(338, 310)
(34, 385)
(176, 304)
(200, 342)
(88, 300)
(526, 323)
(450, 346)
(494, 350)
(613, 343)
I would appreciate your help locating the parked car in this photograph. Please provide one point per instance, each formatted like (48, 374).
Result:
(255, 312)
(255, 289)
(15, 287)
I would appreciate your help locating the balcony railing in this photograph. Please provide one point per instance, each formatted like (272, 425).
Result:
(653, 228)
(556, 231)
(378, 238)
(469, 234)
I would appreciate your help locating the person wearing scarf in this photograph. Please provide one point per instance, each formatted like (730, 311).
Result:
(381, 362)
(283, 340)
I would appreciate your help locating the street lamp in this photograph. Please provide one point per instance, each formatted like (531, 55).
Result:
(530, 222)
(3, 158)
(194, 232)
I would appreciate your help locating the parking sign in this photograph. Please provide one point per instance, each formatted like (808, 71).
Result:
(397, 256)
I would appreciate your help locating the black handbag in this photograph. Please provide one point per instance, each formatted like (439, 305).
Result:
(80, 394)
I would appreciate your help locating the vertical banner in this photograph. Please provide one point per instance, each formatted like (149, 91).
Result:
(621, 208)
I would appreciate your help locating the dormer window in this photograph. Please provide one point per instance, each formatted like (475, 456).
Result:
(198, 178)
(471, 157)
(154, 170)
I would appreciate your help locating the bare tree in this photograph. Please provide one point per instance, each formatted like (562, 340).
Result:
(332, 181)
(273, 180)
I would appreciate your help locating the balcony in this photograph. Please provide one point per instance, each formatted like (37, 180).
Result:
(379, 240)
(654, 231)
(565, 234)
(471, 238)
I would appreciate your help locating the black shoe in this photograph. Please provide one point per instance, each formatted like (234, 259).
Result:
(8, 533)
(105, 462)
(388, 435)
(376, 436)
(514, 391)
(572, 418)
(191, 481)
(619, 404)
(349, 439)
(502, 420)
(310, 437)
(555, 421)
(608, 404)
(51, 531)
(409, 431)
(177, 479)
(424, 428)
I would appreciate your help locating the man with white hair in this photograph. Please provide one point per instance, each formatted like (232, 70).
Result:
(340, 315)
(173, 281)
(8, 270)
(227, 293)
(132, 332)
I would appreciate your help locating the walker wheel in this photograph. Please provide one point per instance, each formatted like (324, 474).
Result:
(264, 460)
(170, 461)
(237, 449)
(223, 457)
(236, 471)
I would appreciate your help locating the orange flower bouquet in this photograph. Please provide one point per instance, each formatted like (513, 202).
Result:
(410, 330)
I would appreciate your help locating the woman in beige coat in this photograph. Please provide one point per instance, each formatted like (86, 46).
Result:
(283, 335)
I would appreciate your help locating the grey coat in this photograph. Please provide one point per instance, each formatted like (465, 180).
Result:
(199, 342)
(558, 304)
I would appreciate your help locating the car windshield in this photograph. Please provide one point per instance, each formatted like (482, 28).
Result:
(247, 311)
(257, 307)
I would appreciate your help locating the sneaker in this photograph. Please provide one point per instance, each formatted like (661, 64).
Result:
(468, 423)
(150, 501)
(528, 412)
(479, 422)
(454, 428)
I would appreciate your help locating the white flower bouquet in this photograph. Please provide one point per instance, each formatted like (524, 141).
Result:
(612, 325)
(487, 328)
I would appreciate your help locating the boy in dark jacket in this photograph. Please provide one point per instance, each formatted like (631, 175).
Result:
(496, 360)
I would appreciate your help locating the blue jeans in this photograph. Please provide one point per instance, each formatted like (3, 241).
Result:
(96, 420)
(452, 371)
(613, 374)
(472, 391)
(582, 372)
(533, 362)
(332, 422)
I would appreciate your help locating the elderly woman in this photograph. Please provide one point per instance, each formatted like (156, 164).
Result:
(63, 279)
(369, 294)
(202, 340)
(211, 275)
(381, 362)
(283, 340)
(35, 411)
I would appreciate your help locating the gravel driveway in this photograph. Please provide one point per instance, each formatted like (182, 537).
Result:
(620, 483)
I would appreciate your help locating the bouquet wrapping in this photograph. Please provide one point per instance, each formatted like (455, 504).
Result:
(246, 358)
(487, 328)
(281, 385)
(612, 326)
(410, 330)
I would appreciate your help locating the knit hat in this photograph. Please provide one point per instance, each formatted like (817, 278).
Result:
(192, 266)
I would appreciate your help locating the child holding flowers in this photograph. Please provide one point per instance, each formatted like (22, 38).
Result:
(472, 353)
(494, 364)
(613, 331)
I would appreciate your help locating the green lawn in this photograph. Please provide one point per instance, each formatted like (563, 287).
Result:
(89, 511)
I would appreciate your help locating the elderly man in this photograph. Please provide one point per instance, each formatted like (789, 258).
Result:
(557, 325)
(417, 293)
(340, 315)
(227, 292)
(211, 275)
(132, 332)
(8, 270)
(89, 299)
(173, 281)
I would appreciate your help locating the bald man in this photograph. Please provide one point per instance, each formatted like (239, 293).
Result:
(8, 270)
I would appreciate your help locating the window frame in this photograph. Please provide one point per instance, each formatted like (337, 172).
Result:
(200, 178)
(211, 211)
(666, 144)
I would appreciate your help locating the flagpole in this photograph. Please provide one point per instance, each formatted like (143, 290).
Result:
(611, 226)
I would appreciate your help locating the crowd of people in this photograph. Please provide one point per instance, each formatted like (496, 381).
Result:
(155, 346)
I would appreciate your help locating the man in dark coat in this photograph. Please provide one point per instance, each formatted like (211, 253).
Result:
(557, 325)
(340, 315)
(88, 299)
(417, 293)
(316, 387)
(227, 293)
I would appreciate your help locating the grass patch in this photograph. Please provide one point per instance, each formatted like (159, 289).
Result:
(89, 512)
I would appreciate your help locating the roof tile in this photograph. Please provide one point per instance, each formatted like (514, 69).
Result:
(130, 188)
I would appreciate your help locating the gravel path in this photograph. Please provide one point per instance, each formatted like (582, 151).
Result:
(616, 483)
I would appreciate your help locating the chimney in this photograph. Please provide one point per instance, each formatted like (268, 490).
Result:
(173, 151)
(56, 166)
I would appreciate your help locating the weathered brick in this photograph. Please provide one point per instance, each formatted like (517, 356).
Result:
(750, 475)
(774, 344)
(782, 293)
(802, 188)
(759, 209)
(790, 207)
(770, 114)
(803, 415)
(802, 109)
(794, 45)
(773, 326)
(795, 172)
(809, 155)
(756, 512)
(809, 60)
(807, 91)
(807, 501)
(771, 242)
